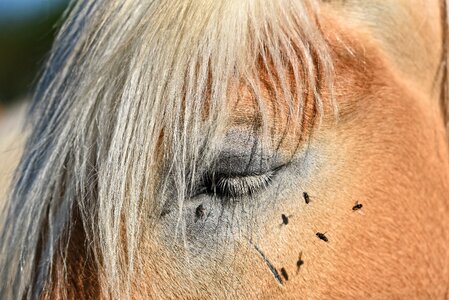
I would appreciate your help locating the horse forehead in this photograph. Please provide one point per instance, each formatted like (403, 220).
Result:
(409, 33)
(390, 24)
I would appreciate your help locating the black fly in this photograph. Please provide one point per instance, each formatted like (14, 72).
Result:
(306, 197)
(299, 263)
(284, 274)
(284, 219)
(322, 236)
(199, 212)
(357, 206)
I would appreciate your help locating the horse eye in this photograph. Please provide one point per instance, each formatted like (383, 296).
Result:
(242, 167)
(228, 186)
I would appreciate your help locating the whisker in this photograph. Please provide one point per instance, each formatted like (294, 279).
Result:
(270, 266)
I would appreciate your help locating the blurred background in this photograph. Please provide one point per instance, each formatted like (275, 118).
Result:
(27, 29)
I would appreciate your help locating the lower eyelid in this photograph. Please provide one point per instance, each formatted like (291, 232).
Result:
(240, 186)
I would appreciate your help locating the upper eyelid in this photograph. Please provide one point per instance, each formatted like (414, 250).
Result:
(251, 173)
(242, 152)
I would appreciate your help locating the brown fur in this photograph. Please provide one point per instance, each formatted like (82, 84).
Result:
(388, 151)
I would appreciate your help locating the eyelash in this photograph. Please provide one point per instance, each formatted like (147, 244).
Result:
(225, 186)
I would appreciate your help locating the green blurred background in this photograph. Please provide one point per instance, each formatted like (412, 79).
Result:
(27, 29)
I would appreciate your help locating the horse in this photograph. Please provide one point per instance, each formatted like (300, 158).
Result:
(235, 150)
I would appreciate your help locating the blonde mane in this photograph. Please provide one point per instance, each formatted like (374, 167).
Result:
(132, 88)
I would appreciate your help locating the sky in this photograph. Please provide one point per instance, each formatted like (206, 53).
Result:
(15, 10)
